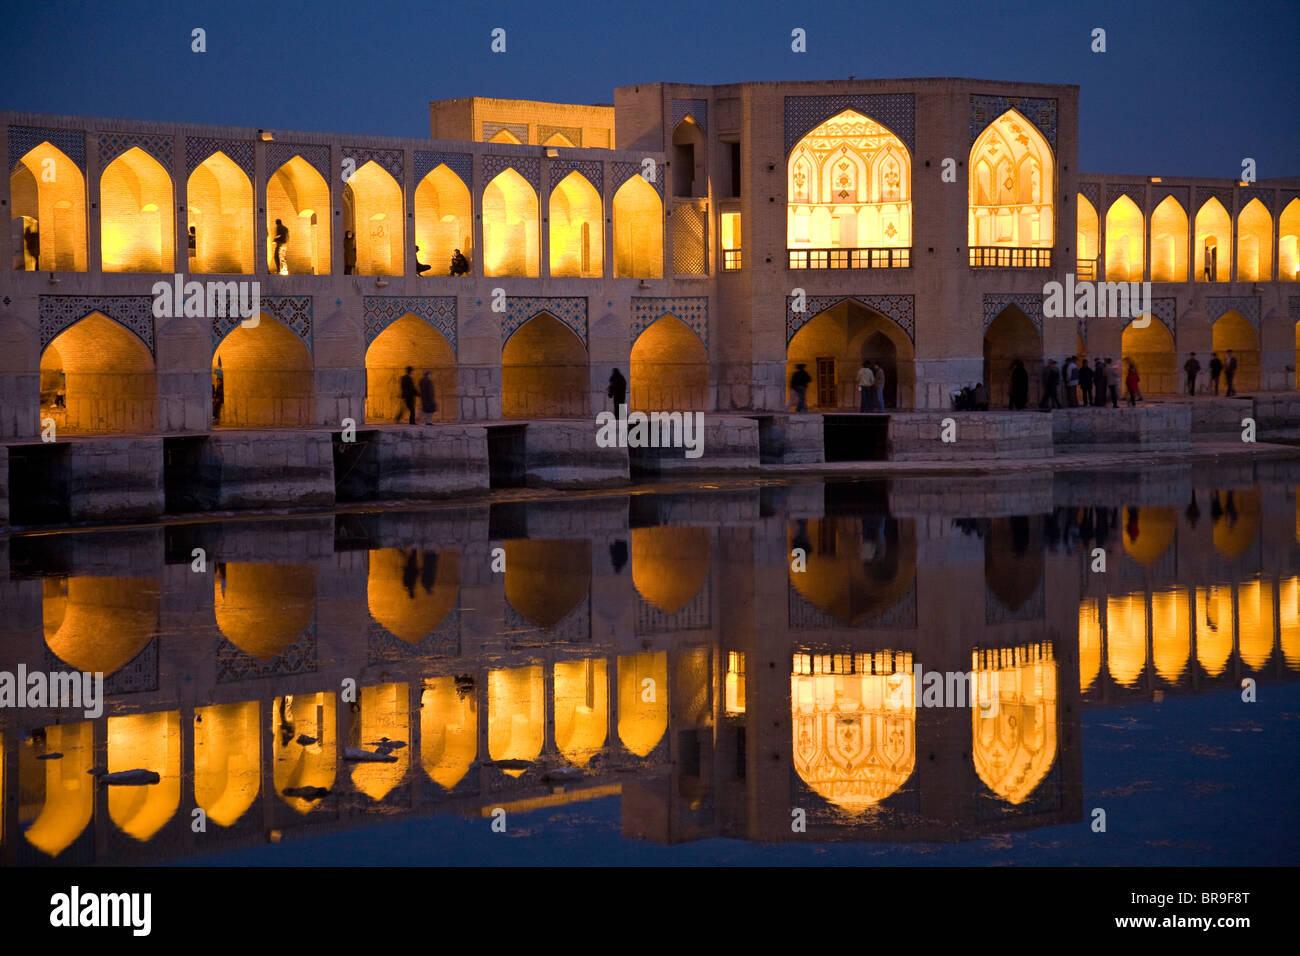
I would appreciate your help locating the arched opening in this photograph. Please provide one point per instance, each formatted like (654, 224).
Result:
(410, 592)
(305, 751)
(1012, 182)
(1288, 621)
(1125, 241)
(298, 199)
(1152, 350)
(516, 715)
(577, 228)
(48, 194)
(1014, 720)
(1214, 618)
(1171, 646)
(219, 206)
(850, 187)
(1233, 332)
(1086, 266)
(1089, 643)
(1236, 517)
(581, 709)
(1010, 338)
(1169, 242)
(444, 220)
(670, 564)
(505, 136)
(1149, 531)
(145, 742)
(670, 368)
(857, 568)
(832, 346)
(1013, 561)
(544, 372)
(558, 139)
(688, 160)
(642, 708)
(409, 341)
(546, 580)
(510, 237)
(372, 215)
(99, 624)
(137, 220)
(638, 231)
(98, 378)
(227, 760)
(1213, 243)
(267, 377)
(1288, 230)
(385, 712)
(448, 730)
(1255, 623)
(262, 608)
(1254, 243)
(56, 797)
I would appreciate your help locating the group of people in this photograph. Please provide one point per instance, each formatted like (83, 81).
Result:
(871, 387)
(1218, 367)
(459, 264)
(1082, 384)
(411, 391)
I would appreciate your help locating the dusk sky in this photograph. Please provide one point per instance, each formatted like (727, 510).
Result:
(1186, 88)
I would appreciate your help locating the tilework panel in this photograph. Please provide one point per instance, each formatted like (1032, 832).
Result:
(572, 133)
(443, 641)
(594, 171)
(689, 225)
(23, 139)
(113, 145)
(386, 159)
(1165, 309)
(573, 628)
(1091, 192)
(900, 308)
(697, 110)
(1221, 193)
(1134, 191)
(518, 130)
(138, 675)
(134, 312)
(295, 311)
(1180, 194)
(622, 172)
(462, 164)
(695, 615)
(571, 310)
(1029, 303)
(1247, 305)
(277, 154)
(692, 310)
(199, 148)
(438, 310)
(1041, 112)
(527, 166)
(234, 664)
(897, 111)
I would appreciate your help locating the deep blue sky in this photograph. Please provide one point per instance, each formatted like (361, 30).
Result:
(1185, 88)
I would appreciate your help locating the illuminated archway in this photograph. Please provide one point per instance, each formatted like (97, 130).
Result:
(98, 378)
(1169, 242)
(57, 795)
(1288, 255)
(267, 376)
(1254, 243)
(545, 580)
(1213, 242)
(577, 237)
(137, 218)
(99, 624)
(1214, 625)
(1255, 623)
(511, 241)
(856, 568)
(1152, 349)
(304, 748)
(1125, 241)
(448, 730)
(544, 372)
(1288, 622)
(48, 196)
(411, 592)
(688, 159)
(642, 700)
(516, 715)
(409, 341)
(227, 760)
(850, 186)
(298, 197)
(1011, 336)
(1086, 239)
(1012, 184)
(148, 742)
(558, 139)
(444, 220)
(832, 346)
(385, 712)
(372, 212)
(1126, 637)
(638, 231)
(1014, 718)
(1148, 532)
(670, 368)
(581, 709)
(670, 564)
(1171, 647)
(262, 608)
(1233, 331)
(1089, 643)
(219, 206)
(505, 136)
(1236, 527)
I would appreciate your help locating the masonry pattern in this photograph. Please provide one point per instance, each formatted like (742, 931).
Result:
(622, 172)
(58, 312)
(1246, 305)
(593, 171)
(462, 164)
(387, 159)
(438, 310)
(528, 167)
(234, 664)
(691, 310)
(900, 308)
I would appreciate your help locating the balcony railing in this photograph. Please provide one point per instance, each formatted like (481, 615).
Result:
(1085, 270)
(850, 258)
(1009, 257)
(731, 259)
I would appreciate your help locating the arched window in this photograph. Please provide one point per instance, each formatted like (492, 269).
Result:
(1012, 177)
(49, 212)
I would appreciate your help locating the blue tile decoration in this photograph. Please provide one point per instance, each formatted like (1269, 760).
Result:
(199, 148)
(277, 154)
(1029, 303)
(697, 110)
(622, 172)
(1180, 194)
(1134, 191)
(382, 647)
(294, 311)
(900, 308)
(438, 310)
(133, 312)
(1091, 192)
(571, 310)
(1042, 113)
(528, 167)
(299, 657)
(389, 160)
(692, 310)
(1164, 309)
(594, 171)
(572, 133)
(1246, 305)
(518, 130)
(113, 145)
(895, 111)
(462, 164)
(1221, 193)
(24, 139)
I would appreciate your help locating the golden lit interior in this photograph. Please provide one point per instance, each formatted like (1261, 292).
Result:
(148, 742)
(444, 220)
(298, 197)
(1255, 623)
(263, 608)
(642, 700)
(581, 709)
(1288, 255)
(1125, 241)
(544, 372)
(1126, 637)
(1011, 336)
(838, 340)
(638, 231)
(98, 378)
(137, 219)
(1233, 331)
(1014, 743)
(516, 714)
(577, 228)
(1171, 634)
(546, 579)
(730, 233)
(48, 194)
(1151, 348)
(227, 760)
(855, 569)
(511, 241)
(854, 724)
(1213, 242)
(385, 712)
(267, 377)
(1238, 527)
(1214, 628)
(99, 624)
(1254, 243)
(372, 212)
(410, 592)
(504, 136)
(300, 766)
(670, 368)
(409, 341)
(219, 206)
(558, 139)
(1011, 185)
(1169, 242)
(56, 798)
(1089, 643)
(850, 187)
(1087, 236)
(735, 682)
(1148, 533)
(448, 730)
(1289, 620)
(670, 564)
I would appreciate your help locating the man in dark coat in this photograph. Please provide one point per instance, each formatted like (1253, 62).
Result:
(617, 391)
(1019, 386)
(409, 394)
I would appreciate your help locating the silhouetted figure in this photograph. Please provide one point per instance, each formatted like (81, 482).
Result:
(1085, 383)
(1216, 509)
(1051, 382)
(1112, 382)
(218, 391)
(409, 393)
(1230, 372)
(617, 391)
(1132, 528)
(192, 240)
(1193, 511)
(459, 264)
(799, 382)
(800, 539)
(427, 403)
(32, 240)
(618, 555)
(1216, 369)
(1087, 527)
(1070, 378)
(878, 373)
(464, 686)
(1193, 368)
(349, 253)
(981, 397)
(866, 387)
(411, 573)
(420, 267)
(1019, 385)
(1131, 381)
(429, 571)
(281, 240)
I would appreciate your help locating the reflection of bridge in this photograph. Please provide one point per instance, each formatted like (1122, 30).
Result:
(662, 647)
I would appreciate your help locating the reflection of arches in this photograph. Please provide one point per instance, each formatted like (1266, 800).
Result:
(262, 608)
(1152, 349)
(1087, 236)
(1149, 531)
(1213, 242)
(856, 567)
(1089, 643)
(267, 374)
(1013, 560)
(411, 592)
(670, 564)
(1254, 243)
(99, 624)
(670, 368)
(1170, 632)
(544, 371)
(372, 210)
(1255, 623)
(642, 706)
(510, 236)
(545, 580)
(444, 220)
(298, 196)
(1288, 622)
(409, 341)
(1011, 185)
(1237, 527)
(854, 726)
(385, 712)
(1014, 743)
(219, 207)
(149, 742)
(638, 231)
(137, 221)
(1125, 241)
(227, 760)
(838, 339)
(1126, 637)
(1169, 242)
(448, 730)
(58, 796)
(301, 766)
(1234, 331)
(1214, 617)
(1010, 336)
(1288, 254)
(577, 238)
(48, 194)
(516, 714)
(581, 708)
(96, 377)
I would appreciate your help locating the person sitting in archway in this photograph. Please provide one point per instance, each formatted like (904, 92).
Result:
(459, 264)
(32, 239)
(281, 240)
(420, 267)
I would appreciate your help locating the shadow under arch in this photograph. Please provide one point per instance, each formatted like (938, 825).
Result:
(856, 568)
(544, 371)
(410, 592)
(1011, 336)
(832, 346)
(409, 341)
(1013, 560)
(97, 377)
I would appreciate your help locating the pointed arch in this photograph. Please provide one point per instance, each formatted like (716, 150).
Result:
(638, 231)
(385, 711)
(99, 624)
(227, 760)
(641, 722)
(669, 368)
(267, 376)
(516, 714)
(57, 796)
(558, 139)
(444, 219)
(1233, 331)
(1086, 239)
(1014, 719)
(510, 226)
(1213, 242)
(670, 564)
(219, 207)
(577, 238)
(1254, 243)
(137, 216)
(1011, 337)
(373, 214)
(1125, 241)
(263, 607)
(1014, 206)
(48, 196)
(687, 166)
(300, 768)
(505, 136)
(546, 579)
(409, 341)
(411, 591)
(1151, 348)
(840, 337)
(298, 196)
(544, 371)
(1169, 242)
(448, 730)
(581, 708)
(1288, 253)
(98, 378)
(149, 742)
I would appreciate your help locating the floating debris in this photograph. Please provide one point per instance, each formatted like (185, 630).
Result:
(562, 775)
(138, 777)
(305, 740)
(356, 753)
(307, 793)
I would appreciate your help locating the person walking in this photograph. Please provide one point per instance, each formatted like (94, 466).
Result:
(799, 385)
(878, 373)
(1085, 383)
(427, 402)
(1112, 382)
(1193, 368)
(1051, 386)
(1230, 372)
(1070, 376)
(1019, 385)
(617, 391)
(1216, 369)
(1131, 382)
(218, 391)
(281, 240)
(866, 387)
(409, 393)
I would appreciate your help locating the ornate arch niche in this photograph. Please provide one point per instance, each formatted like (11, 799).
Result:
(1012, 178)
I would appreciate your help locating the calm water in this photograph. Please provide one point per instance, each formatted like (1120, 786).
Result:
(646, 678)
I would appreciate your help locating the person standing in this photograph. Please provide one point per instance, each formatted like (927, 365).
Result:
(1085, 383)
(1112, 382)
(1193, 368)
(1070, 376)
(218, 391)
(1019, 385)
(409, 393)
(349, 253)
(192, 241)
(1099, 382)
(1216, 369)
(878, 373)
(1230, 372)
(427, 403)
(1051, 386)
(866, 387)
(281, 239)
(1131, 382)
(617, 391)
(799, 385)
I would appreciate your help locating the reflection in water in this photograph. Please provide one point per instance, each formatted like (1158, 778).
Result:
(262, 608)
(1148, 532)
(545, 580)
(56, 795)
(385, 716)
(735, 688)
(1236, 521)
(1213, 628)
(642, 701)
(854, 568)
(96, 623)
(227, 760)
(516, 715)
(1126, 637)
(581, 709)
(305, 752)
(1289, 614)
(410, 592)
(1255, 623)
(448, 729)
(670, 565)
(1089, 643)
(1014, 742)
(148, 742)
(1171, 632)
